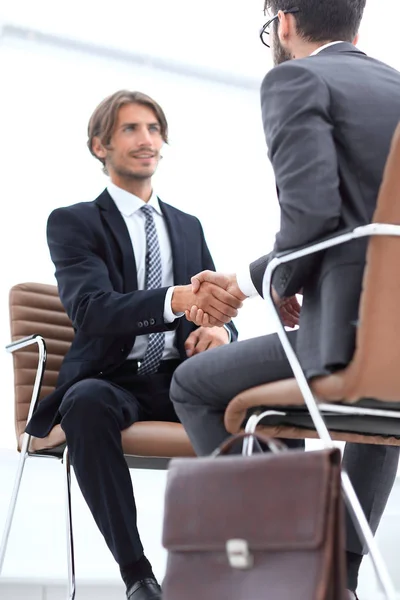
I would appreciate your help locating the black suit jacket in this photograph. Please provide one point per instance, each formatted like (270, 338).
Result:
(97, 281)
(328, 120)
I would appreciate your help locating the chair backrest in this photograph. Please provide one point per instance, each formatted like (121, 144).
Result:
(375, 369)
(36, 308)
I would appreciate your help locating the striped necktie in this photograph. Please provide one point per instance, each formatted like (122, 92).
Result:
(155, 348)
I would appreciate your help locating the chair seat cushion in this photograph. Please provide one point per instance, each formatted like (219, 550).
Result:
(156, 438)
(146, 438)
(285, 396)
(351, 424)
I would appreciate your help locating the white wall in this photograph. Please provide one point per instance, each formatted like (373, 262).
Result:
(215, 167)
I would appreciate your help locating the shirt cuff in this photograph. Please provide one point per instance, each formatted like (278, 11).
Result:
(229, 333)
(169, 315)
(246, 284)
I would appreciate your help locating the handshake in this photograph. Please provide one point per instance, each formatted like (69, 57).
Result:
(212, 299)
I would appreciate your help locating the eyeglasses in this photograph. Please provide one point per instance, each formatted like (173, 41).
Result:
(264, 33)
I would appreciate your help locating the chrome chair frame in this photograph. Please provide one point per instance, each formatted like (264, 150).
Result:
(317, 410)
(25, 453)
(141, 462)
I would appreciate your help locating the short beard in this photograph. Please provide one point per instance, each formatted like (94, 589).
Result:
(280, 55)
(129, 174)
(137, 176)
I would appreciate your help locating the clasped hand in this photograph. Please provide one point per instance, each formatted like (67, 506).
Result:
(220, 288)
(210, 300)
(222, 294)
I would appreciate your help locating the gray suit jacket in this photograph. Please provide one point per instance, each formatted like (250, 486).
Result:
(328, 121)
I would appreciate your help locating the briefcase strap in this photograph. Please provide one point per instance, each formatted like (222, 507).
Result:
(273, 444)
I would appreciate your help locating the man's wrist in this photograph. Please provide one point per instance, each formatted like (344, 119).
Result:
(182, 298)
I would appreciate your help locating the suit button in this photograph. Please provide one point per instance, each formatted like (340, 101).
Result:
(146, 323)
(122, 350)
(152, 322)
(140, 324)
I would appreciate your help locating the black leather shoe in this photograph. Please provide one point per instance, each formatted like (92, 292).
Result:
(145, 589)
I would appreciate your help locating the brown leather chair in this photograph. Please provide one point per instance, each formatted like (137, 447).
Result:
(42, 334)
(362, 402)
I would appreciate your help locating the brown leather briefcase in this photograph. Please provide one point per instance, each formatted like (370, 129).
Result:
(267, 526)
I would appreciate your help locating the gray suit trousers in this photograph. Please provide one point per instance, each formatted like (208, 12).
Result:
(203, 386)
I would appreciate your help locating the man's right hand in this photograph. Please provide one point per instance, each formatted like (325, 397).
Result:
(215, 283)
(289, 308)
(218, 303)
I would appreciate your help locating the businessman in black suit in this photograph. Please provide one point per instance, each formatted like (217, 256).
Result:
(122, 263)
(329, 117)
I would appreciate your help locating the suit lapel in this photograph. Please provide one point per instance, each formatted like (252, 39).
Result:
(178, 246)
(120, 232)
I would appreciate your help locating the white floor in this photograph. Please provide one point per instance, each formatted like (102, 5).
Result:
(35, 565)
(36, 556)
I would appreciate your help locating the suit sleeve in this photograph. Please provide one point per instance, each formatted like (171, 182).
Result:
(208, 265)
(86, 290)
(299, 133)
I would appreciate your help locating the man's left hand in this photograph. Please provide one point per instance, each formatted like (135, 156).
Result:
(205, 338)
(289, 309)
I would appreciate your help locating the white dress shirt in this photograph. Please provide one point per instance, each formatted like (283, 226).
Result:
(129, 206)
(244, 279)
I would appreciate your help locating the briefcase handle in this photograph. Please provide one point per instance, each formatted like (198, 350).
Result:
(273, 444)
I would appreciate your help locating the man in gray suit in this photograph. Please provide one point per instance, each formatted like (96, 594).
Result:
(329, 117)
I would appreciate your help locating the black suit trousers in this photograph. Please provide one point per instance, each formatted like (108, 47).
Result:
(94, 412)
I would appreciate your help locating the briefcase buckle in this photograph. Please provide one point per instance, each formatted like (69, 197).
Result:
(239, 555)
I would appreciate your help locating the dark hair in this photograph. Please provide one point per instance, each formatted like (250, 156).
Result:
(103, 120)
(323, 20)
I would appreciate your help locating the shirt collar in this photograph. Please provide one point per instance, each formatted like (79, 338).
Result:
(128, 203)
(318, 50)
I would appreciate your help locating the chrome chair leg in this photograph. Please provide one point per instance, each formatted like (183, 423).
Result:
(70, 537)
(365, 534)
(351, 499)
(354, 507)
(14, 498)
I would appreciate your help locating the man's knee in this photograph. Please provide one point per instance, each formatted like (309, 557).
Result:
(183, 384)
(86, 400)
(198, 382)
